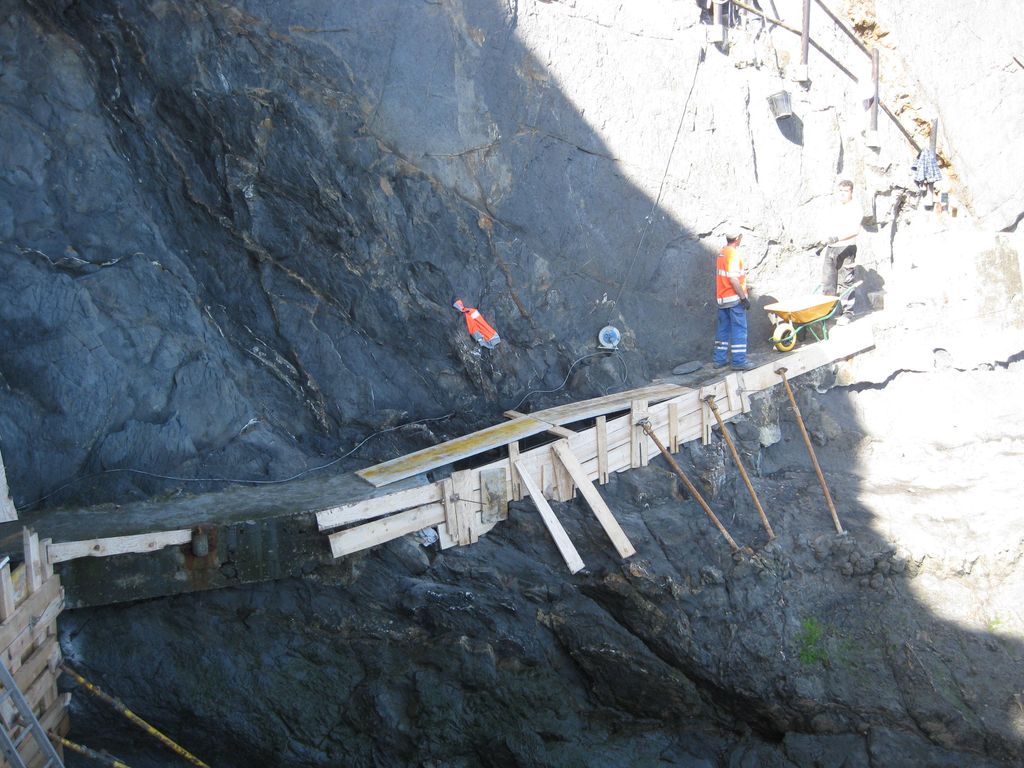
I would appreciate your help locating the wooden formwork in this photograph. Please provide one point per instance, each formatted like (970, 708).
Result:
(31, 599)
(469, 503)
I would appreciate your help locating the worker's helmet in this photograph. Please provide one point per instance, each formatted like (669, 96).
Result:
(732, 231)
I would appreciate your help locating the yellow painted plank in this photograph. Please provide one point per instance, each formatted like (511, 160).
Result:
(452, 451)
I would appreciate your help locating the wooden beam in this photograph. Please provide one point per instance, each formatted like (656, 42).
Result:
(368, 509)
(593, 498)
(562, 540)
(379, 531)
(118, 545)
(553, 429)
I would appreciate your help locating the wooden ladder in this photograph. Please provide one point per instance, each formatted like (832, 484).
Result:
(30, 727)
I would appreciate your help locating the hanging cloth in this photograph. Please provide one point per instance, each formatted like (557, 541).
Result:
(926, 167)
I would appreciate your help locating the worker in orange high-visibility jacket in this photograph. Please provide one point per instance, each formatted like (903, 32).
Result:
(733, 303)
(478, 328)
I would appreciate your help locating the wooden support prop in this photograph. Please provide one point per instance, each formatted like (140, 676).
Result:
(740, 467)
(379, 531)
(601, 434)
(367, 509)
(562, 541)
(118, 545)
(513, 457)
(810, 450)
(690, 487)
(593, 498)
(7, 599)
(494, 495)
(637, 445)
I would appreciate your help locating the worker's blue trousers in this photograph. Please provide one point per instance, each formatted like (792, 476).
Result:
(731, 336)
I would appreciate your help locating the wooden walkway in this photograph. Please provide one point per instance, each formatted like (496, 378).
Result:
(247, 534)
(470, 502)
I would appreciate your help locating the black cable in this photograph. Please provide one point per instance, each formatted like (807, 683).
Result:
(234, 480)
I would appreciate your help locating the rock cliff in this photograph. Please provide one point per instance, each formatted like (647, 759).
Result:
(231, 234)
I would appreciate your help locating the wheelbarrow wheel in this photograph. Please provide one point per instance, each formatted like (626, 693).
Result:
(784, 337)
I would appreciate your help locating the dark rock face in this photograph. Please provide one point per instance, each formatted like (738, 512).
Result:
(230, 237)
(206, 227)
(811, 651)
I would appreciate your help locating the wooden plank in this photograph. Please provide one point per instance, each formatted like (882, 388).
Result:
(843, 341)
(368, 509)
(593, 498)
(379, 531)
(601, 431)
(451, 451)
(118, 545)
(553, 429)
(28, 612)
(561, 538)
(7, 598)
(513, 457)
(33, 566)
(494, 495)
